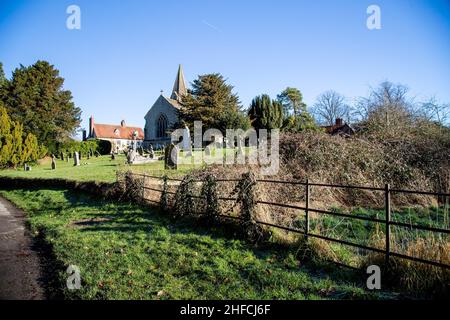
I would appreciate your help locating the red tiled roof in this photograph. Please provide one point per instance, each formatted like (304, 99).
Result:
(331, 129)
(108, 131)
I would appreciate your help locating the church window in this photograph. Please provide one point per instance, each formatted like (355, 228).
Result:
(161, 126)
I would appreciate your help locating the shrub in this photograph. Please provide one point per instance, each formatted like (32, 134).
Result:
(16, 147)
(209, 202)
(184, 198)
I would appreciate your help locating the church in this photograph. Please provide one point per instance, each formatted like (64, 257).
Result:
(164, 114)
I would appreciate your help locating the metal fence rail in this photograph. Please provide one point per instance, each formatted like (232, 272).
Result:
(387, 221)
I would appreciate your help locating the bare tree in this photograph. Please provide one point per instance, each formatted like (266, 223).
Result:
(385, 99)
(330, 106)
(432, 110)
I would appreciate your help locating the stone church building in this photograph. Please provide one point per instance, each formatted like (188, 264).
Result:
(164, 114)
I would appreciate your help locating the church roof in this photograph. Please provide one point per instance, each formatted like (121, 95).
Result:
(179, 87)
(110, 131)
(173, 102)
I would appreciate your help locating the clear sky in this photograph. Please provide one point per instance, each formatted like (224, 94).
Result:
(127, 51)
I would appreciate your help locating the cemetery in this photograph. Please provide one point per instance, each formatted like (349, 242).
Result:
(253, 180)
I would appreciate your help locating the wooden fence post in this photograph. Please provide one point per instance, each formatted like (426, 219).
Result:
(387, 203)
(307, 208)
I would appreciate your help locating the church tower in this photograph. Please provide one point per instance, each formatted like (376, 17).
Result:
(164, 113)
(179, 87)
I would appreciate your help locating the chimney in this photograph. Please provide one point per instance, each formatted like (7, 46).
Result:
(91, 127)
(122, 123)
(339, 122)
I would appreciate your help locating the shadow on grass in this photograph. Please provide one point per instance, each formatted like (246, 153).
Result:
(130, 218)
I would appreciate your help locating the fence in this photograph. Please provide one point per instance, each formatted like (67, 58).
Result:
(387, 221)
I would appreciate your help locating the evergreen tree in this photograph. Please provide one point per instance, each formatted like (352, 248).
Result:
(3, 82)
(2, 75)
(35, 97)
(265, 113)
(14, 150)
(212, 101)
(297, 117)
(292, 101)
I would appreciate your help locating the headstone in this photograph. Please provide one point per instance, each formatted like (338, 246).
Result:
(131, 156)
(170, 162)
(186, 143)
(152, 152)
(53, 162)
(208, 150)
(76, 159)
(113, 157)
(62, 156)
(67, 158)
(26, 167)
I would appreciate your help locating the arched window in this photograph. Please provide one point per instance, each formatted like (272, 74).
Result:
(161, 126)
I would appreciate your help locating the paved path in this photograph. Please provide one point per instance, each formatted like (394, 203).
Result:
(19, 263)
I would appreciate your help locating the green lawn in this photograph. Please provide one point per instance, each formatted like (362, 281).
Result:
(95, 169)
(126, 252)
(103, 169)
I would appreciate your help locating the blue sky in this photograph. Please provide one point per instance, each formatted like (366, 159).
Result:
(127, 51)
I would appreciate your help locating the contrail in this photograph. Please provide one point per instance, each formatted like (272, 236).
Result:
(210, 25)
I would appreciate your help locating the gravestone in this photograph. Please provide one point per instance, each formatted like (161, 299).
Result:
(76, 159)
(208, 150)
(26, 167)
(62, 156)
(113, 157)
(53, 162)
(186, 143)
(169, 161)
(152, 153)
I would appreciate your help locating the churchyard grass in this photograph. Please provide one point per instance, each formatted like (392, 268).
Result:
(101, 169)
(124, 251)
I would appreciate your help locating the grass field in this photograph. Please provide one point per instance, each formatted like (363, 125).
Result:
(126, 252)
(95, 169)
(102, 168)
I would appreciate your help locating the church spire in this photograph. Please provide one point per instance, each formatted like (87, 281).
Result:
(179, 87)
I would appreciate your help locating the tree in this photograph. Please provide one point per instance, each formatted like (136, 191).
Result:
(3, 82)
(14, 150)
(330, 106)
(387, 110)
(432, 110)
(304, 121)
(212, 101)
(265, 113)
(35, 97)
(2, 75)
(292, 101)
